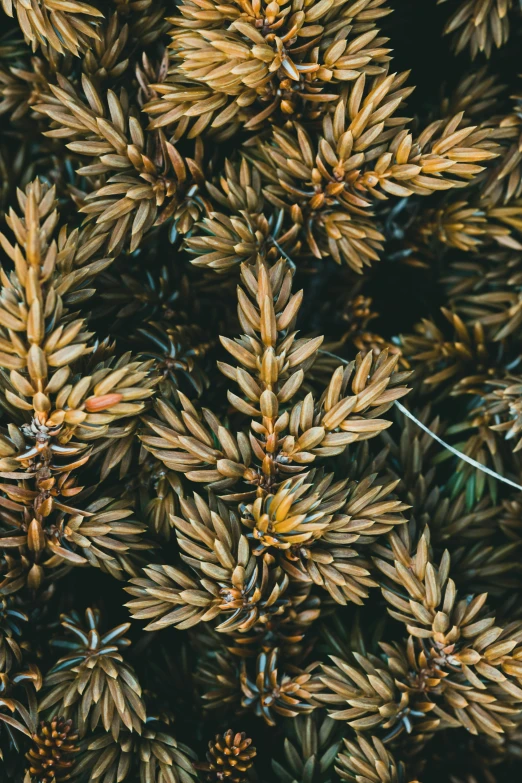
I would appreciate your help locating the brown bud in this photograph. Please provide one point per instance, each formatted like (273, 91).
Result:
(36, 363)
(271, 443)
(269, 368)
(35, 536)
(35, 577)
(94, 404)
(75, 417)
(41, 402)
(250, 475)
(230, 469)
(268, 466)
(269, 404)
(46, 483)
(56, 418)
(35, 323)
(296, 214)
(46, 507)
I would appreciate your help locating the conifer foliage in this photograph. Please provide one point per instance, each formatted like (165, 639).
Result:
(232, 238)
